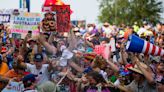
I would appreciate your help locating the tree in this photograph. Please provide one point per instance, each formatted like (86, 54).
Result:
(129, 11)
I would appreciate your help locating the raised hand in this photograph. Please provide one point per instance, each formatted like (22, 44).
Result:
(27, 37)
(20, 58)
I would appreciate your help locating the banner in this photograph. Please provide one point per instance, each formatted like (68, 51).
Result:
(63, 17)
(25, 22)
(10, 11)
(5, 14)
(4, 18)
(99, 49)
(49, 22)
(14, 87)
(103, 50)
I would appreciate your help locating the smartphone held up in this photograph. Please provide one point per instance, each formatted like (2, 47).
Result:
(30, 34)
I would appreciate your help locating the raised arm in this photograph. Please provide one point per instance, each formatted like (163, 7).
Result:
(146, 71)
(113, 66)
(48, 47)
(23, 49)
(51, 38)
(123, 54)
(75, 66)
(20, 61)
(89, 43)
(72, 40)
(123, 88)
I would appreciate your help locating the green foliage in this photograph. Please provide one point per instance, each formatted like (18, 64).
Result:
(129, 11)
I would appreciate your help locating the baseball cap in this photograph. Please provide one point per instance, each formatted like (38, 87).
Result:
(29, 78)
(38, 57)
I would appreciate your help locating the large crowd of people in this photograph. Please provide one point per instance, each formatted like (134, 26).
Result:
(67, 62)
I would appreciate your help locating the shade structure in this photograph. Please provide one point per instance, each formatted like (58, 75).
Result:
(53, 2)
(48, 3)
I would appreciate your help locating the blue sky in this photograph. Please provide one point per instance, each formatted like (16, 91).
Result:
(82, 9)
